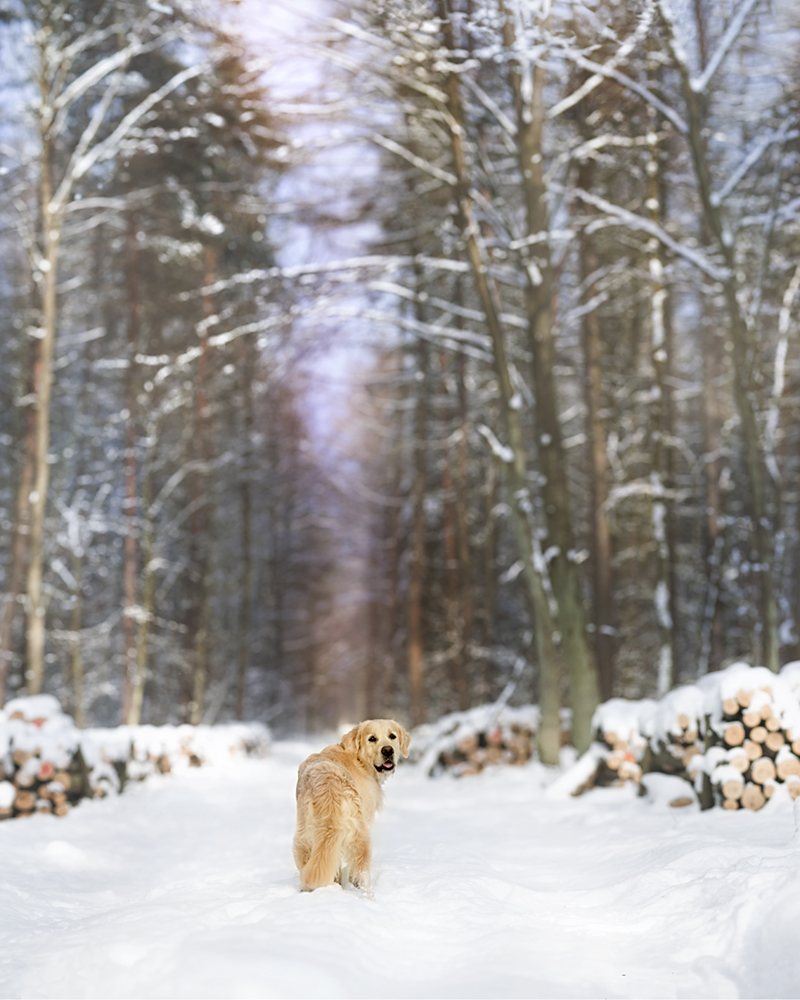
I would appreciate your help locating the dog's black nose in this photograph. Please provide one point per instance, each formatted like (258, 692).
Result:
(387, 751)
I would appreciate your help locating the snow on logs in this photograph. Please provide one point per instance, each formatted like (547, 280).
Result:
(41, 766)
(621, 745)
(736, 732)
(464, 743)
(47, 764)
(754, 737)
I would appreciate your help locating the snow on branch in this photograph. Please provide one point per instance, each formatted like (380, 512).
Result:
(625, 81)
(700, 83)
(194, 465)
(109, 146)
(416, 161)
(386, 263)
(626, 218)
(355, 31)
(473, 344)
(779, 135)
(89, 134)
(472, 315)
(619, 56)
(502, 119)
(641, 488)
(779, 378)
(99, 71)
(257, 326)
(500, 451)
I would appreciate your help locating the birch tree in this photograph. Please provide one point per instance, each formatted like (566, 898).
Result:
(75, 77)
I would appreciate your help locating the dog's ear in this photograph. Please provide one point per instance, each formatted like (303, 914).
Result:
(349, 741)
(405, 740)
(352, 741)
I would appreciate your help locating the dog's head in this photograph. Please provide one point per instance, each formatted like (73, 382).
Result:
(377, 743)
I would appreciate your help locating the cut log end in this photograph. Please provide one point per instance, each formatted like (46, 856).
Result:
(788, 767)
(733, 789)
(753, 797)
(734, 734)
(752, 749)
(774, 741)
(763, 770)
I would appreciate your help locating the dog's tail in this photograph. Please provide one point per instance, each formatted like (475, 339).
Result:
(326, 857)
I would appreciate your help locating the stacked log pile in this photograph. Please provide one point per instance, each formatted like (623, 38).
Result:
(47, 764)
(41, 766)
(675, 731)
(756, 742)
(466, 743)
(475, 751)
(734, 737)
(139, 752)
(620, 746)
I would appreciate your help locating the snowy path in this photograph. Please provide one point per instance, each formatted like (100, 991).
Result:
(184, 887)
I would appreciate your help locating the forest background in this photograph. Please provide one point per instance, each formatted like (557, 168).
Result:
(390, 358)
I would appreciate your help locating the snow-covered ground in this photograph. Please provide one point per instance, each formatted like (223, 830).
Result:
(484, 887)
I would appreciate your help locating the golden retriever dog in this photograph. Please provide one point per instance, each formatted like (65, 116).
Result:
(338, 793)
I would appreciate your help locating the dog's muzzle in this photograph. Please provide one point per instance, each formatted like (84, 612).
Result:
(388, 763)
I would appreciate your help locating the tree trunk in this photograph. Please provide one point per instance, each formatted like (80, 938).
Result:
(36, 603)
(201, 516)
(602, 582)
(455, 617)
(582, 671)
(513, 467)
(395, 549)
(76, 624)
(417, 565)
(20, 540)
(462, 526)
(247, 369)
(146, 608)
(663, 598)
(130, 503)
(743, 351)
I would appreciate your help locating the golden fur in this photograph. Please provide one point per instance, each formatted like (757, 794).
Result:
(338, 793)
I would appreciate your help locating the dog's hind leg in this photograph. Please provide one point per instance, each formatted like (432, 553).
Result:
(301, 851)
(325, 861)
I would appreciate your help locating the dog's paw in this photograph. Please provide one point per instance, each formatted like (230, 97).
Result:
(362, 881)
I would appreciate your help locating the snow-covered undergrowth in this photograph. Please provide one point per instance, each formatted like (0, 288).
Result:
(484, 887)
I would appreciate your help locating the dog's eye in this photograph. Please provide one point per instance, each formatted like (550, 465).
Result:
(392, 736)
(373, 739)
